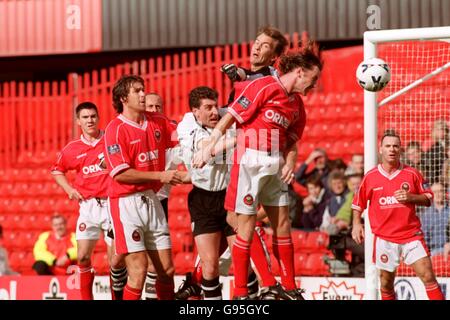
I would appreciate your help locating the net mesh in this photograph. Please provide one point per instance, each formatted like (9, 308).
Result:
(422, 117)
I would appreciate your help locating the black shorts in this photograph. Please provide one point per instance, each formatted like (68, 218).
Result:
(207, 212)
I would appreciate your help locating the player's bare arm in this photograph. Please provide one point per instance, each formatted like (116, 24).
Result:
(72, 193)
(132, 176)
(358, 227)
(204, 154)
(287, 172)
(403, 196)
(224, 144)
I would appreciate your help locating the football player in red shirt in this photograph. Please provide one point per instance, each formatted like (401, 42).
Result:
(135, 144)
(394, 190)
(271, 115)
(85, 155)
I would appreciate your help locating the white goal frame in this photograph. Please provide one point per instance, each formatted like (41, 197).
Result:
(371, 39)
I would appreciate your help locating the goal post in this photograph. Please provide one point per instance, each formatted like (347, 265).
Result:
(407, 86)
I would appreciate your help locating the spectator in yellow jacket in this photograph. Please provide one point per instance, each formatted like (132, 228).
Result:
(55, 250)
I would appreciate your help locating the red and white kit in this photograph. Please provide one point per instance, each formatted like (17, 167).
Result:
(137, 215)
(396, 226)
(270, 120)
(91, 181)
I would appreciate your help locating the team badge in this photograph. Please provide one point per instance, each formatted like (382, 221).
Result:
(136, 236)
(114, 148)
(244, 102)
(405, 186)
(157, 135)
(248, 200)
(384, 258)
(82, 227)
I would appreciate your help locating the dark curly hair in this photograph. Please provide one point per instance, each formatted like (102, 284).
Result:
(199, 93)
(122, 88)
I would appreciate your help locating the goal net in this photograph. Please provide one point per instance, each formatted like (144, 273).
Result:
(416, 105)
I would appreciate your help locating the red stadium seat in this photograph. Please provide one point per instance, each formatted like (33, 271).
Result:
(404, 270)
(100, 263)
(182, 241)
(177, 204)
(179, 220)
(441, 267)
(43, 222)
(299, 240)
(317, 241)
(315, 265)
(72, 222)
(300, 263)
(184, 262)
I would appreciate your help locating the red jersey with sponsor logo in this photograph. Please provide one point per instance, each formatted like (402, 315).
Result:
(270, 117)
(85, 157)
(389, 219)
(130, 145)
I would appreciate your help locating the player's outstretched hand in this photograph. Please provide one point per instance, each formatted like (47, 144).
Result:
(287, 174)
(172, 177)
(75, 195)
(358, 233)
(402, 196)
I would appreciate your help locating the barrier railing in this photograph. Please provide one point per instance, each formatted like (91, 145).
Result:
(37, 117)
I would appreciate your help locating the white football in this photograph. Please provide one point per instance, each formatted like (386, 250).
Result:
(373, 74)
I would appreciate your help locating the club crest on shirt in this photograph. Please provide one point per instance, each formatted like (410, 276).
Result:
(114, 148)
(136, 236)
(405, 186)
(248, 199)
(82, 227)
(244, 102)
(157, 135)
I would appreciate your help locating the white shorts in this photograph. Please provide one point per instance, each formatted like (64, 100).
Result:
(93, 220)
(139, 223)
(387, 254)
(255, 179)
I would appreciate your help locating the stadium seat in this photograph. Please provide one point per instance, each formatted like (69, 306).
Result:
(316, 266)
(441, 266)
(182, 241)
(178, 204)
(184, 262)
(317, 241)
(299, 240)
(9, 239)
(357, 146)
(404, 270)
(100, 246)
(72, 222)
(179, 221)
(353, 130)
(100, 263)
(300, 263)
(43, 222)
